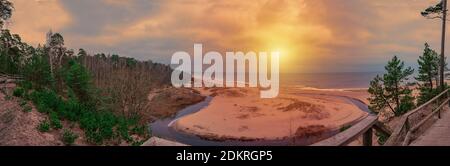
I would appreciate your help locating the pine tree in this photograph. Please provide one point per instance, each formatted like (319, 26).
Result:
(428, 70)
(378, 99)
(78, 79)
(392, 90)
(37, 70)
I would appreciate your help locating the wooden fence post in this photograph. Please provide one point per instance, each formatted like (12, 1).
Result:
(367, 137)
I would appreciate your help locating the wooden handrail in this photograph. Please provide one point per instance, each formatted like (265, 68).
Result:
(426, 104)
(366, 126)
(17, 77)
(404, 132)
(408, 138)
(351, 134)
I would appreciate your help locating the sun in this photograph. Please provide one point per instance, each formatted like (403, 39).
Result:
(285, 40)
(283, 46)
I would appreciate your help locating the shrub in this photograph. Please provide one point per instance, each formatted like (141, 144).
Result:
(55, 123)
(19, 92)
(106, 121)
(46, 100)
(98, 126)
(42, 108)
(23, 103)
(137, 143)
(70, 110)
(69, 137)
(44, 126)
(139, 130)
(27, 108)
(78, 79)
(122, 129)
(382, 138)
(8, 97)
(37, 70)
(27, 85)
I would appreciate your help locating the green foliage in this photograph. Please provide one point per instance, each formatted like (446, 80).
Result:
(19, 92)
(44, 126)
(27, 108)
(71, 110)
(391, 90)
(78, 80)
(131, 62)
(55, 123)
(115, 58)
(433, 11)
(46, 100)
(27, 86)
(137, 143)
(139, 130)
(22, 103)
(428, 70)
(378, 99)
(123, 130)
(37, 70)
(426, 94)
(428, 66)
(56, 40)
(406, 102)
(62, 88)
(69, 137)
(100, 126)
(382, 138)
(12, 52)
(82, 53)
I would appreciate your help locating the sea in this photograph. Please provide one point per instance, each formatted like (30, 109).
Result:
(335, 81)
(327, 81)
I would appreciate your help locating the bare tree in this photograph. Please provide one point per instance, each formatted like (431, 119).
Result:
(126, 80)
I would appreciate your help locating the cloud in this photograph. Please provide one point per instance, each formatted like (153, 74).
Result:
(32, 19)
(317, 35)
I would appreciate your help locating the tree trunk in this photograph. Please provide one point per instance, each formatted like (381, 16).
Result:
(431, 81)
(442, 61)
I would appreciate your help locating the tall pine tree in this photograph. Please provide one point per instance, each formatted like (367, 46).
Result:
(428, 72)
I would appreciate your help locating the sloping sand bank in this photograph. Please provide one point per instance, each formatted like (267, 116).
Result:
(240, 114)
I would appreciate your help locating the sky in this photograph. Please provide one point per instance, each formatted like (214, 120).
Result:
(313, 36)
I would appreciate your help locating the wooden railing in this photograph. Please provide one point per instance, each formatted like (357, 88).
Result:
(418, 121)
(364, 128)
(411, 124)
(9, 76)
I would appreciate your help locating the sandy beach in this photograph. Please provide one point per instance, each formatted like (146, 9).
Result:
(240, 114)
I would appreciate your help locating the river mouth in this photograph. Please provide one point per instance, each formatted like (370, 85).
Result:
(161, 128)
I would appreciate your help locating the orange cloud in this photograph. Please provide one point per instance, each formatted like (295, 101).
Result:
(348, 32)
(32, 19)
